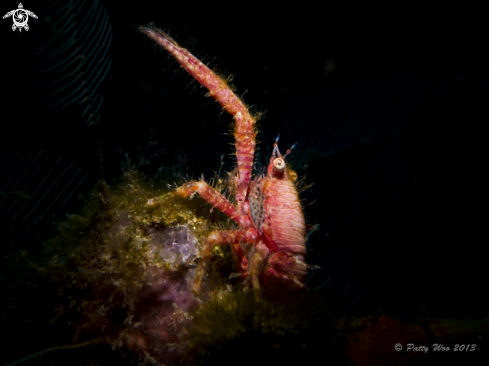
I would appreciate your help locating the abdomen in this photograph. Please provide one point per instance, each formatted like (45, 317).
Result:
(284, 220)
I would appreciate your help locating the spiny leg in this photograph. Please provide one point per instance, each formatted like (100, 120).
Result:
(244, 131)
(212, 196)
(244, 135)
(255, 266)
(225, 237)
(287, 267)
(240, 260)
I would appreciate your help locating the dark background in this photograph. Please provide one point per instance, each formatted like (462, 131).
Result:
(388, 106)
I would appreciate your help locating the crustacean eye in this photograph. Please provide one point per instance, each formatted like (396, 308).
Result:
(278, 167)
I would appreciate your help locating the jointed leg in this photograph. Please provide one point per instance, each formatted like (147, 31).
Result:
(240, 259)
(212, 196)
(244, 131)
(244, 134)
(255, 265)
(289, 267)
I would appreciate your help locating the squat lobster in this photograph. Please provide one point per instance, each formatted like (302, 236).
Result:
(270, 242)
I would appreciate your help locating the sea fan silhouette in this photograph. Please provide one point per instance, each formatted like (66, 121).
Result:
(74, 57)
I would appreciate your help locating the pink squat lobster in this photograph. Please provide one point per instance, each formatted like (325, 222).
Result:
(270, 242)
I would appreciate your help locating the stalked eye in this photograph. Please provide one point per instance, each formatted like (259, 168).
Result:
(278, 167)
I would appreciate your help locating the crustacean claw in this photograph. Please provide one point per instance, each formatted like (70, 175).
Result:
(268, 210)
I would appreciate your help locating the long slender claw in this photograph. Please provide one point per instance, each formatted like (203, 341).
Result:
(244, 132)
(217, 87)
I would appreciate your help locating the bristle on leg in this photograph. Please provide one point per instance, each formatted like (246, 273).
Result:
(244, 132)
